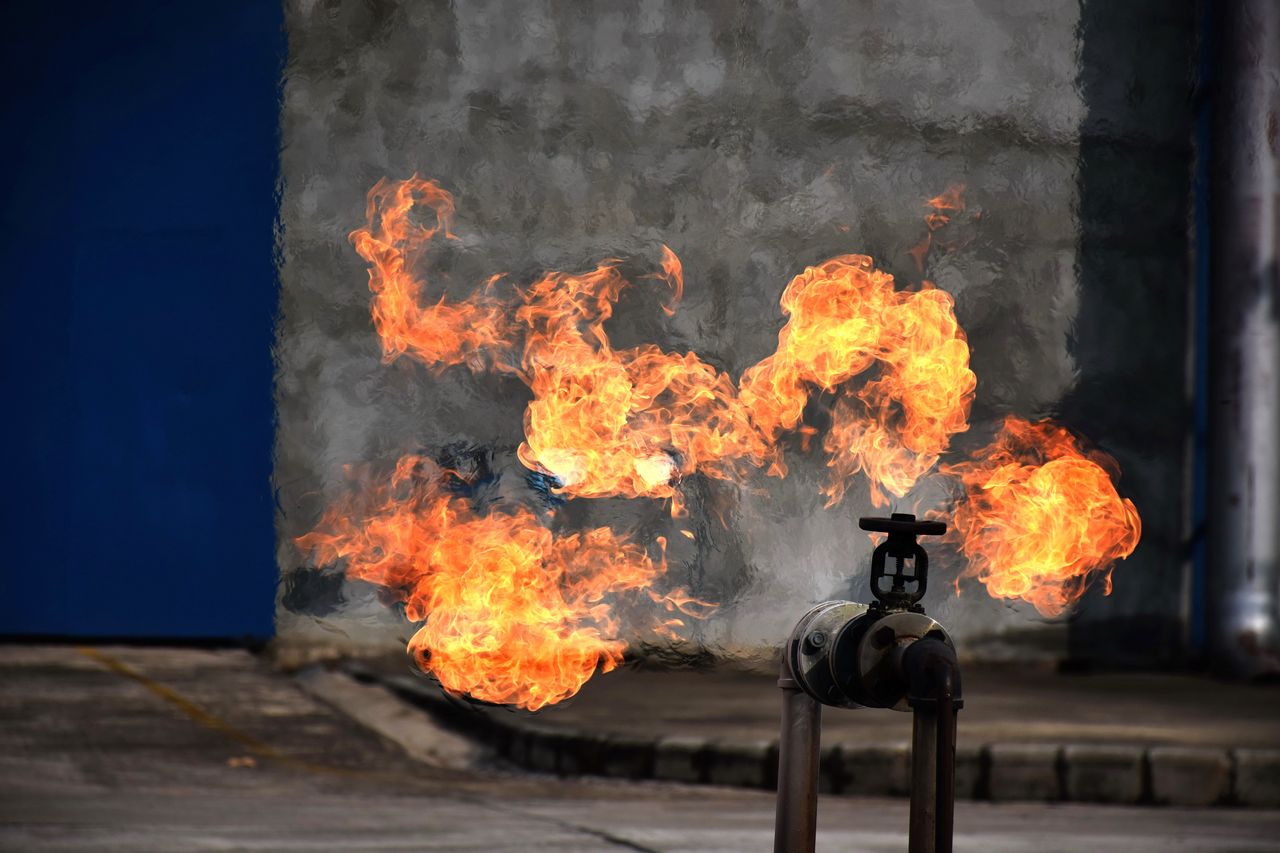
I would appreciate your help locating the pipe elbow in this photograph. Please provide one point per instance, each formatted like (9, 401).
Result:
(932, 673)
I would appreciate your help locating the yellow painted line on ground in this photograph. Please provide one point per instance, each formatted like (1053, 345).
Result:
(199, 715)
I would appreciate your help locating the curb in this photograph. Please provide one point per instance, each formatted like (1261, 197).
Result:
(1130, 774)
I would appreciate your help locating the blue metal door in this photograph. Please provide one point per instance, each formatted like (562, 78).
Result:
(140, 143)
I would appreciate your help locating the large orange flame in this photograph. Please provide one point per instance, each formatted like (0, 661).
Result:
(845, 317)
(513, 613)
(622, 422)
(1040, 517)
(516, 614)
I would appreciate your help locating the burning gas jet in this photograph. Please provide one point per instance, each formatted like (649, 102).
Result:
(517, 614)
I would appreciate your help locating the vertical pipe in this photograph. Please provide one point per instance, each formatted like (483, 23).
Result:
(945, 783)
(1244, 346)
(796, 826)
(924, 762)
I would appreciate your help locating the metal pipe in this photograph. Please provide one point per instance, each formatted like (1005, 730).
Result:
(799, 748)
(924, 763)
(945, 782)
(1243, 577)
(932, 674)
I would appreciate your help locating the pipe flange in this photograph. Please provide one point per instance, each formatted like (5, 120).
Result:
(868, 660)
(809, 650)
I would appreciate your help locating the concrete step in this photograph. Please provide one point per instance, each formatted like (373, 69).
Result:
(1173, 754)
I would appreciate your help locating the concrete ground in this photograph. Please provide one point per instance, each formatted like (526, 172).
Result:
(1024, 734)
(140, 750)
(1001, 705)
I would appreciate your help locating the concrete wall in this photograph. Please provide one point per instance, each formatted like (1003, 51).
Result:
(754, 139)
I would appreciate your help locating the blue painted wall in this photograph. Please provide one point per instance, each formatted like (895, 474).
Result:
(140, 147)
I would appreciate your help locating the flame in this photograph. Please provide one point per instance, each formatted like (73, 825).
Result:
(941, 209)
(633, 422)
(845, 317)
(1040, 517)
(466, 331)
(513, 613)
(622, 422)
(673, 272)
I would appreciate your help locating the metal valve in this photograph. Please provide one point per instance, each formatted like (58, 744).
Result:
(902, 546)
(847, 654)
(887, 654)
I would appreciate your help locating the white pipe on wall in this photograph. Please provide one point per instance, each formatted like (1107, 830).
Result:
(1243, 577)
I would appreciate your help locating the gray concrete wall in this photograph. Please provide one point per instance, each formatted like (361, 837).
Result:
(754, 139)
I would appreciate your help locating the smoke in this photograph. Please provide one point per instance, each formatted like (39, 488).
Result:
(519, 606)
(748, 176)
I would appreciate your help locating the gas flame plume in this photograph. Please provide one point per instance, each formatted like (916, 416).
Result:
(845, 317)
(622, 422)
(632, 422)
(514, 614)
(1040, 518)
(443, 333)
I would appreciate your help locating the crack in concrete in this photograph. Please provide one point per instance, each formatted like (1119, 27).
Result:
(602, 834)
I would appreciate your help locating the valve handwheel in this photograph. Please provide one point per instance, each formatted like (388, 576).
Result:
(903, 522)
(903, 528)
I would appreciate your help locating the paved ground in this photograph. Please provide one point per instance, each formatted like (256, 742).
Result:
(1001, 705)
(182, 750)
(1025, 734)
